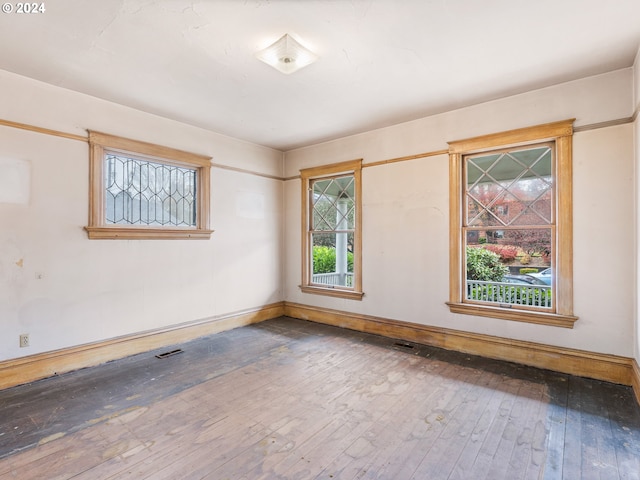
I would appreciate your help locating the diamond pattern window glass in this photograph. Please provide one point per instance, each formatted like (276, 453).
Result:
(331, 230)
(509, 214)
(512, 188)
(140, 190)
(511, 225)
(334, 204)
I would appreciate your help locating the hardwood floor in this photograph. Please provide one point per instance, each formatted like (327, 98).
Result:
(288, 399)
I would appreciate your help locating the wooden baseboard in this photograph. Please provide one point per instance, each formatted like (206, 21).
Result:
(610, 368)
(42, 365)
(635, 379)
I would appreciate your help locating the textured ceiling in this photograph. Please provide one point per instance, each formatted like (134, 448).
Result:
(381, 62)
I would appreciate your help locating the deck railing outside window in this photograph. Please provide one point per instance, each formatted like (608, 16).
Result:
(333, 279)
(510, 293)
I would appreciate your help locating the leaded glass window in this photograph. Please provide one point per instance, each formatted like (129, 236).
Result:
(332, 230)
(143, 192)
(331, 257)
(509, 212)
(511, 225)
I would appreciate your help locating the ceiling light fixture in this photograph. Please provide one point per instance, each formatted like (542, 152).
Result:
(287, 55)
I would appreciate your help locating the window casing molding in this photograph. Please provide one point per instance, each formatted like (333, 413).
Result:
(307, 176)
(561, 134)
(100, 144)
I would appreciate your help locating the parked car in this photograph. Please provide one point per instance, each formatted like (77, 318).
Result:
(523, 280)
(545, 275)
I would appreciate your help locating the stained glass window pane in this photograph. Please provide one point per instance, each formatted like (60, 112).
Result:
(142, 192)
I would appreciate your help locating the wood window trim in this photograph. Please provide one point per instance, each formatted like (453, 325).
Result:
(306, 175)
(562, 134)
(99, 229)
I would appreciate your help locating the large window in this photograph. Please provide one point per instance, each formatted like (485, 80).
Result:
(331, 230)
(511, 225)
(140, 190)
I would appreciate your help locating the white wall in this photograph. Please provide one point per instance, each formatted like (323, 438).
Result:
(405, 214)
(94, 290)
(91, 290)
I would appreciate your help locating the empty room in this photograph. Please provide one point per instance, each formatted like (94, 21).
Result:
(319, 239)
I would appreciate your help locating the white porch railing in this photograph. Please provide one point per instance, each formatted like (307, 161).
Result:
(510, 293)
(333, 279)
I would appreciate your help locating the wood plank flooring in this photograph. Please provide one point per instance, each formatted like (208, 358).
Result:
(289, 399)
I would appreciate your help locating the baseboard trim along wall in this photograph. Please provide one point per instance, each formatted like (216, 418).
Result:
(610, 368)
(42, 365)
(635, 380)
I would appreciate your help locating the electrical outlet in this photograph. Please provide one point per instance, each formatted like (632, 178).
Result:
(24, 340)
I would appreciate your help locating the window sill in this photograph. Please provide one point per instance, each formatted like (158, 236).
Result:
(332, 292)
(540, 318)
(135, 233)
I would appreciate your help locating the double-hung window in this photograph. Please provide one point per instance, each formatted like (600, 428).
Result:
(511, 225)
(140, 190)
(331, 230)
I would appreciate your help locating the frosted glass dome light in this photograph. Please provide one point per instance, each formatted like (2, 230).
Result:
(287, 55)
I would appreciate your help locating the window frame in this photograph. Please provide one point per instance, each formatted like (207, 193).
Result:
(561, 135)
(100, 144)
(307, 175)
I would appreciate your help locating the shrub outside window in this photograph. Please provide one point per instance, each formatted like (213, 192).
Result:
(511, 225)
(140, 190)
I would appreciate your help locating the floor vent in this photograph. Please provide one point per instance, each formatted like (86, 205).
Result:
(404, 345)
(169, 354)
